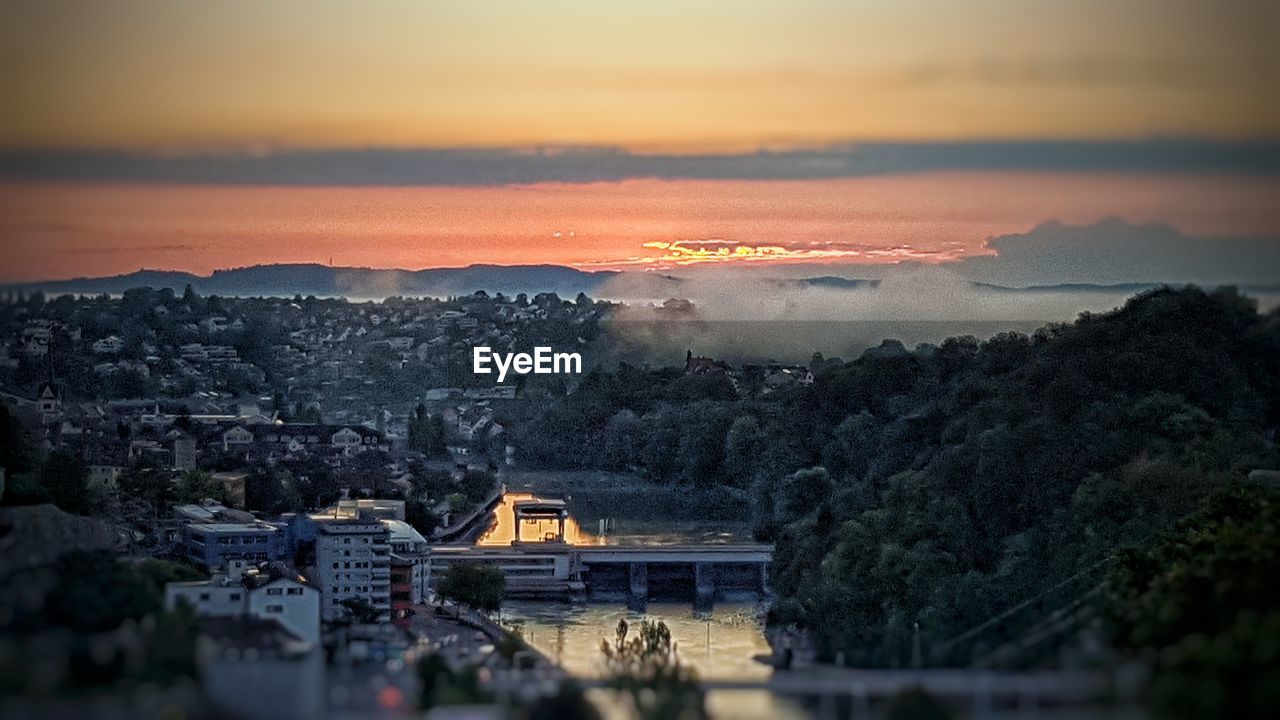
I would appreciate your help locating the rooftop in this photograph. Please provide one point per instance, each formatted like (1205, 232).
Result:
(232, 527)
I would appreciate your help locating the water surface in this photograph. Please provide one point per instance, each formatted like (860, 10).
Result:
(718, 645)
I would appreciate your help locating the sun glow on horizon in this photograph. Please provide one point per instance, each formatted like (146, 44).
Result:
(64, 230)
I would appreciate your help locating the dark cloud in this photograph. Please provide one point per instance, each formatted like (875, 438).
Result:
(1114, 251)
(517, 166)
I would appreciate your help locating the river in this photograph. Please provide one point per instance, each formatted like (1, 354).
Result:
(718, 644)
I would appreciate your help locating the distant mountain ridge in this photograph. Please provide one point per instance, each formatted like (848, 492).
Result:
(323, 280)
(285, 280)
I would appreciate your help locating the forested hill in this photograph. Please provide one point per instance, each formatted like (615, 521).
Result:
(944, 486)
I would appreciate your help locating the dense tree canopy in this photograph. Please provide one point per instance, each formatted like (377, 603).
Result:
(1200, 600)
(479, 587)
(916, 494)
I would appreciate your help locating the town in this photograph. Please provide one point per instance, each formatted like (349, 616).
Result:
(297, 454)
(291, 464)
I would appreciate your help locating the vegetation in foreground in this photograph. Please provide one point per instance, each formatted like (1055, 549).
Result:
(95, 623)
(1199, 604)
(645, 669)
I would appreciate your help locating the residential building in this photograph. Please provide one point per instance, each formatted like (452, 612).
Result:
(214, 544)
(101, 475)
(240, 590)
(380, 508)
(353, 561)
(410, 570)
(208, 511)
(235, 482)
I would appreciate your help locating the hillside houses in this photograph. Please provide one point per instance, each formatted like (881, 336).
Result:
(177, 382)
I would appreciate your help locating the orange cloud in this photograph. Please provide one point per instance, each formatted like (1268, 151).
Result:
(62, 230)
(719, 251)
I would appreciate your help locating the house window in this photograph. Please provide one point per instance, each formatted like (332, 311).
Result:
(274, 591)
(235, 597)
(204, 597)
(295, 591)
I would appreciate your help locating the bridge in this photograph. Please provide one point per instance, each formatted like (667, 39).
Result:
(554, 569)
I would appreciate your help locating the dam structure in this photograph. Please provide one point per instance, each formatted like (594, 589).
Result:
(548, 567)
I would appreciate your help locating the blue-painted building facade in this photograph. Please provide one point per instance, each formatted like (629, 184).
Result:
(212, 544)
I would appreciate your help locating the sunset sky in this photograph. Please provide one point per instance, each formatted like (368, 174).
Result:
(660, 107)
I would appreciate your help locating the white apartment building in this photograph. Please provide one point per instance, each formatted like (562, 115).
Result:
(238, 590)
(353, 561)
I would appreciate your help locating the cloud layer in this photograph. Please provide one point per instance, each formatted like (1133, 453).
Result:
(1114, 251)
(504, 166)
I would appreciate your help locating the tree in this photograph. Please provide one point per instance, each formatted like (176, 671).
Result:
(271, 492)
(314, 481)
(360, 611)
(15, 456)
(149, 485)
(170, 646)
(742, 445)
(197, 485)
(477, 485)
(367, 469)
(192, 299)
(1200, 599)
(418, 514)
(478, 587)
(280, 405)
(621, 443)
(25, 489)
(802, 492)
(440, 684)
(119, 631)
(66, 478)
(647, 669)
(427, 432)
(96, 592)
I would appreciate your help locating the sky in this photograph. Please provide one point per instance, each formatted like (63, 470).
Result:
(657, 134)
